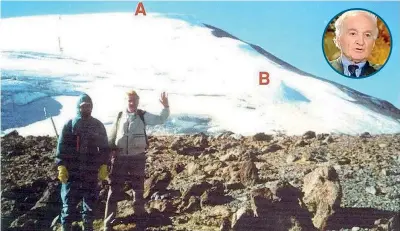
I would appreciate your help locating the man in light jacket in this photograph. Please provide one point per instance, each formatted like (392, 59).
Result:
(128, 139)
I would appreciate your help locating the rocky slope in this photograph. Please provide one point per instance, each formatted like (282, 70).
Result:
(228, 182)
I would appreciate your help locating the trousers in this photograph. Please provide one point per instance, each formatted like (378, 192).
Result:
(72, 193)
(130, 170)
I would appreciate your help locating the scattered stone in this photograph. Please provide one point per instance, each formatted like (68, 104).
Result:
(234, 186)
(383, 145)
(227, 146)
(377, 222)
(241, 220)
(228, 157)
(248, 173)
(355, 228)
(300, 143)
(156, 183)
(125, 209)
(262, 137)
(214, 195)
(344, 160)
(209, 150)
(365, 135)
(225, 224)
(192, 168)
(177, 168)
(272, 148)
(306, 156)
(249, 155)
(371, 189)
(177, 144)
(261, 199)
(394, 223)
(237, 136)
(164, 206)
(328, 140)
(322, 136)
(211, 169)
(220, 211)
(196, 189)
(291, 158)
(337, 167)
(309, 135)
(192, 205)
(201, 141)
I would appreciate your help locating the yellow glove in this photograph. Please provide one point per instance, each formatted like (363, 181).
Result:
(103, 172)
(62, 174)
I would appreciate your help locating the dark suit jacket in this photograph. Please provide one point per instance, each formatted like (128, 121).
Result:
(368, 68)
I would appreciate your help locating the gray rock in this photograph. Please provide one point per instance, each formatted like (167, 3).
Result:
(300, 143)
(234, 185)
(158, 182)
(365, 135)
(272, 148)
(344, 160)
(228, 157)
(225, 224)
(291, 158)
(241, 219)
(164, 206)
(371, 189)
(327, 140)
(236, 136)
(383, 145)
(262, 137)
(309, 135)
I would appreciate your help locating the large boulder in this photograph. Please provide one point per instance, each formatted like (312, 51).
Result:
(322, 194)
(278, 208)
(248, 173)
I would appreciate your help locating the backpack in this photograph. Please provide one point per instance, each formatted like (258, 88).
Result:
(141, 115)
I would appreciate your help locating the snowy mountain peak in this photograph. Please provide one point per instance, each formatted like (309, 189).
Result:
(210, 75)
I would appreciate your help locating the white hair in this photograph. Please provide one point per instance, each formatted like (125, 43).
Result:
(340, 20)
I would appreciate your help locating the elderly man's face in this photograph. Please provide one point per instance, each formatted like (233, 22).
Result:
(132, 102)
(357, 39)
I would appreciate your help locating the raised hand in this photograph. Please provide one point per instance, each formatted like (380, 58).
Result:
(164, 99)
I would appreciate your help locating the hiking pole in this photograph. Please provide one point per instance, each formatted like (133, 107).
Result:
(51, 118)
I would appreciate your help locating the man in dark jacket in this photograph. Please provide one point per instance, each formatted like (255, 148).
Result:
(82, 154)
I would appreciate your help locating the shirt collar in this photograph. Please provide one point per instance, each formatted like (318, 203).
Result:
(346, 62)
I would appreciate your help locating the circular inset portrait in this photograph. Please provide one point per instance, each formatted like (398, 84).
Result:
(357, 43)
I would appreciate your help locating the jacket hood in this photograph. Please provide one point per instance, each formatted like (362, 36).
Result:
(83, 99)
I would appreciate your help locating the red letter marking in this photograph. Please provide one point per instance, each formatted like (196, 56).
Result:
(140, 9)
(264, 76)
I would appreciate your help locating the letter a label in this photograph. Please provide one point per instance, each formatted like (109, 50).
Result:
(140, 9)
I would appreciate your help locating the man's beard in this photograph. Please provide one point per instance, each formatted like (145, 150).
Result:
(85, 114)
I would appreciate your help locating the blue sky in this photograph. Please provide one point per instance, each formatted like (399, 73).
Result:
(291, 31)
